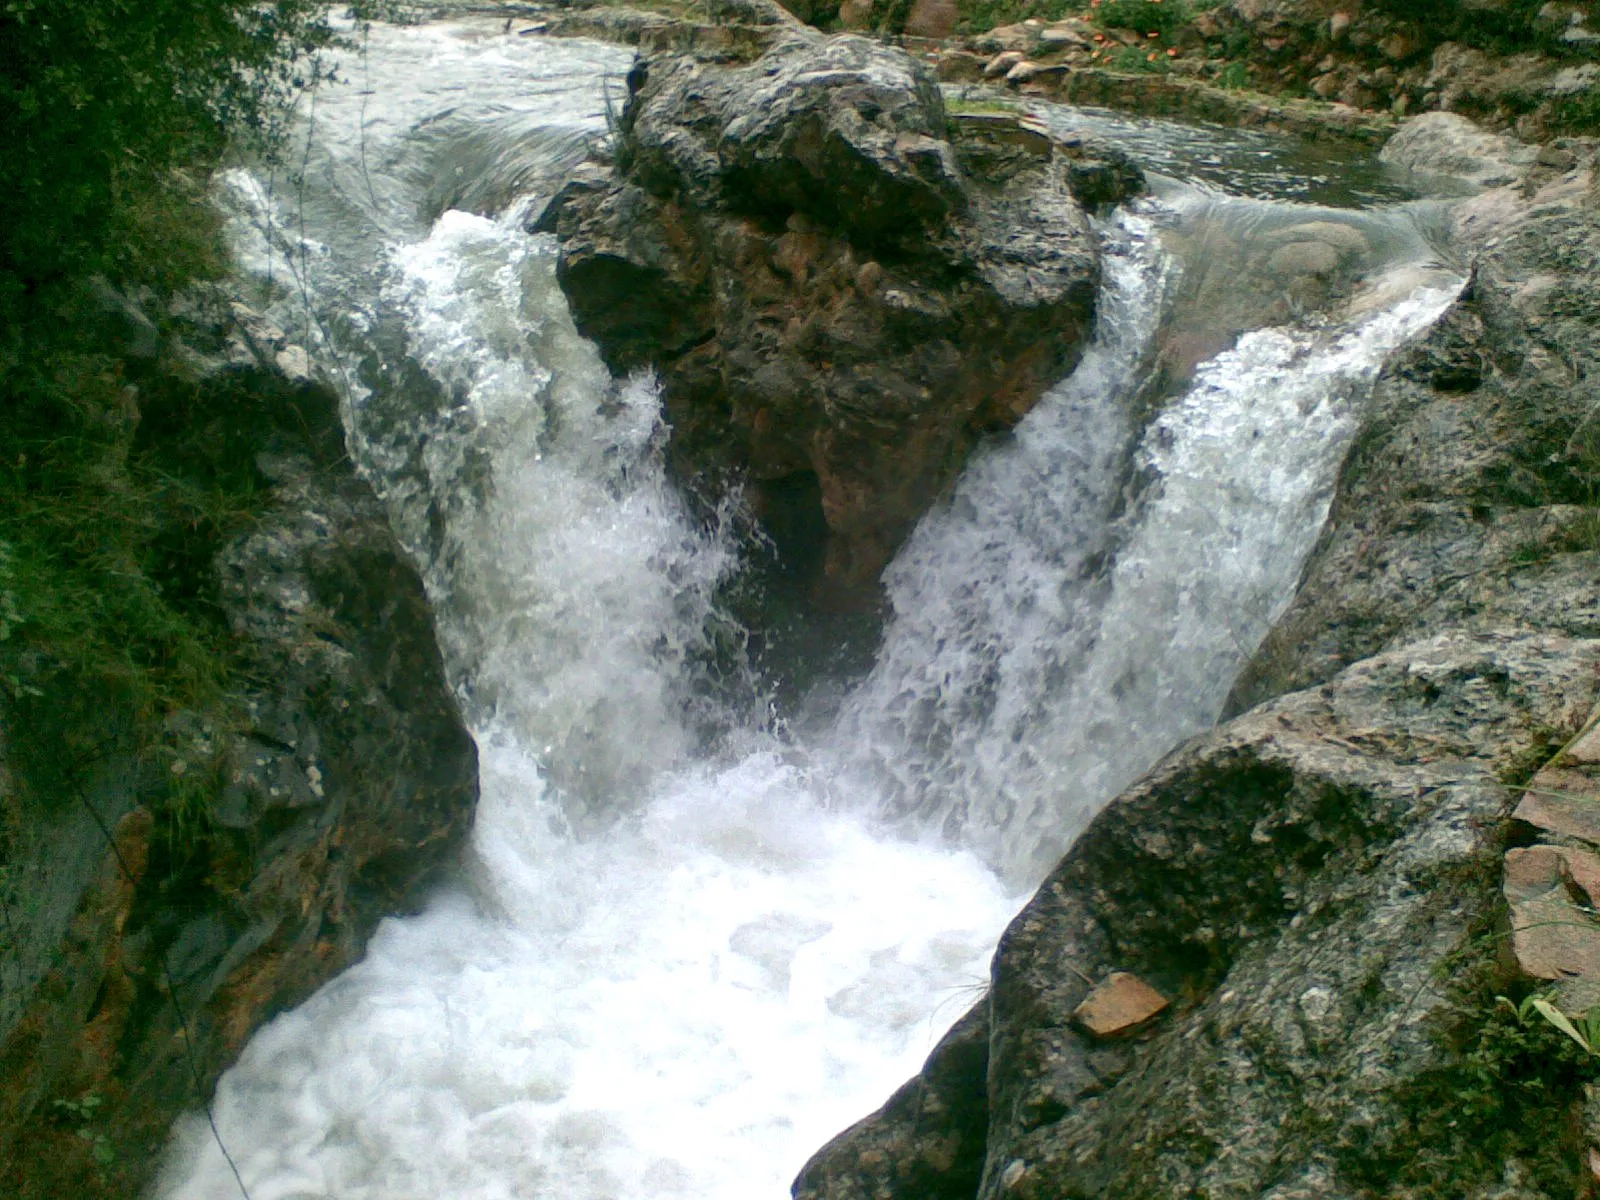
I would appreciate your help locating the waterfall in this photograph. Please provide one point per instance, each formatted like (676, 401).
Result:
(691, 943)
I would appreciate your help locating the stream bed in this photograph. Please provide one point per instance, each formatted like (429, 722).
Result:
(702, 929)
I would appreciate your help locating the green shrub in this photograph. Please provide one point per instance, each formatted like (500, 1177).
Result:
(980, 15)
(1234, 76)
(1136, 58)
(1161, 17)
(113, 114)
(101, 101)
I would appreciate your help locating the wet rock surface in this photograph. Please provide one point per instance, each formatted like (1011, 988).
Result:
(1465, 500)
(840, 288)
(152, 949)
(1448, 146)
(1267, 876)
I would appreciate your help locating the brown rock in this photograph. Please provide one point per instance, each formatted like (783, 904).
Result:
(1397, 47)
(1009, 37)
(960, 66)
(1551, 936)
(1535, 870)
(932, 19)
(856, 14)
(1059, 37)
(1585, 752)
(1562, 802)
(673, 258)
(1119, 1003)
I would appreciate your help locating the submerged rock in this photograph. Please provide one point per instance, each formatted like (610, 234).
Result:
(840, 289)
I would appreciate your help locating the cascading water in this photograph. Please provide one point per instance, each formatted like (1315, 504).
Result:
(692, 943)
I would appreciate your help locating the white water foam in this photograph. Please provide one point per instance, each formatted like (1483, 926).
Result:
(676, 966)
(670, 973)
(1044, 653)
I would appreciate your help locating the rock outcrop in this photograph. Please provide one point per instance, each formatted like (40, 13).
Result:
(840, 287)
(1317, 884)
(1329, 66)
(169, 899)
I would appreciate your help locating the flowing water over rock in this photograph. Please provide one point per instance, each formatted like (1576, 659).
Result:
(696, 938)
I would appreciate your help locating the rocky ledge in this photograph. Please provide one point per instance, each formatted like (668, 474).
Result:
(162, 902)
(1272, 969)
(841, 286)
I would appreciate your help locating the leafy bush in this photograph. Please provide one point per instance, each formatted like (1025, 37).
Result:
(1134, 58)
(1143, 16)
(112, 115)
(101, 101)
(1234, 76)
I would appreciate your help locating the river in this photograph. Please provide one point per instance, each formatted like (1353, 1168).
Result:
(708, 920)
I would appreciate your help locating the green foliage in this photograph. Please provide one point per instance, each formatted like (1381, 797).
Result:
(188, 814)
(1234, 76)
(112, 115)
(979, 15)
(1503, 28)
(1133, 58)
(82, 1109)
(92, 524)
(963, 104)
(1578, 114)
(101, 101)
(1161, 17)
(1582, 1028)
(82, 1112)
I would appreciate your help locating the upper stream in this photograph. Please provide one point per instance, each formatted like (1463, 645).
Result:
(700, 931)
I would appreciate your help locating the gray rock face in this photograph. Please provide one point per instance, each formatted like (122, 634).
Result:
(346, 785)
(1468, 498)
(840, 292)
(1449, 147)
(1302, 880)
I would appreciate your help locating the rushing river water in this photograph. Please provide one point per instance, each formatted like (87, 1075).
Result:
(698, 935)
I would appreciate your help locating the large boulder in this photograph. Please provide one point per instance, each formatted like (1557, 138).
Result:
(1468, 496)
(840, 292)
(172, 897)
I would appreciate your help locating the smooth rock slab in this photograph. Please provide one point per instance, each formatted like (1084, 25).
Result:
(1449, 146)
